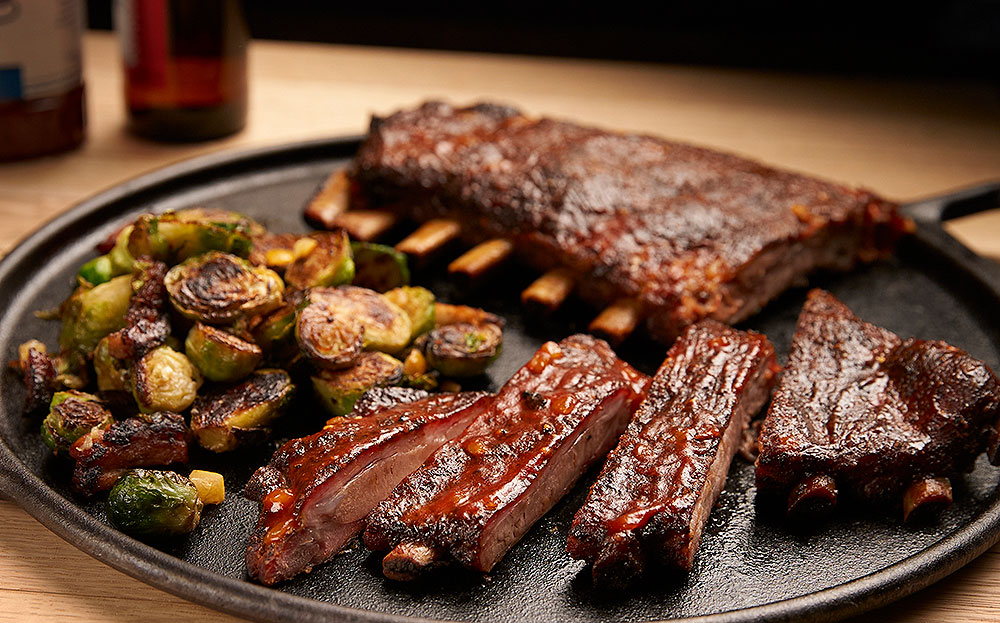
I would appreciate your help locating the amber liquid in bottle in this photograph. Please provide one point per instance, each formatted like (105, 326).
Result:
(185, 67)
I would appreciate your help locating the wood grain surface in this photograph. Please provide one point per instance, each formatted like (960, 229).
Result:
(904, 139)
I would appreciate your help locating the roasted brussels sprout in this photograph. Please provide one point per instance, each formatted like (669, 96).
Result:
(275, 334)
(463, 349)
(338, 390)
(177, 236)
(386, 325)
(329, 263)
(219, 355)
(418, 303)
(72, 414)
(164, 380)
(218, 288)
(112, 373)
(378, 267)
(92, 313)
(211, 486)
(328, 335)
(116, 262)
(154, 503)
(240, 414)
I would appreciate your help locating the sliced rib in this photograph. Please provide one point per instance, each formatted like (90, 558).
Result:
(478, 495)
(316, 491)
(653, 496)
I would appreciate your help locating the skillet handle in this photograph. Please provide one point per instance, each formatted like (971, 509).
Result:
(936, 210)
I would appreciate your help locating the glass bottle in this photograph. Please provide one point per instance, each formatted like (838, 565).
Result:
(185, 67)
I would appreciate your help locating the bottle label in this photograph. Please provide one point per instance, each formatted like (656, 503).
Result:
(39, 48)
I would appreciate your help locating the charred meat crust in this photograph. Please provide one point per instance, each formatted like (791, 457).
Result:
(475, 497)
(305, 514)
(102, 456)
(652, 497)
(147, 324)
(871, 411)
(692, 233)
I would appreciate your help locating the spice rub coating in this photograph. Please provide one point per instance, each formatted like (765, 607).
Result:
(862, 412)
(479, 494)
(317, 490)
(690, 232)
(652, 498)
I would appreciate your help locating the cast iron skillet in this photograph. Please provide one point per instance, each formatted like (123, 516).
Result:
(752, 565)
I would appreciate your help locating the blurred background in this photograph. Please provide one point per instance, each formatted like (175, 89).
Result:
(957, 39)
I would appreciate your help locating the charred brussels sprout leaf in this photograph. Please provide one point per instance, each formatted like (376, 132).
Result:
(219, 355)
(112, 373)
(153, 503)
(328, 335)
(338, 390)
(164, 380)
(92, 313)
(275, 334)
(177, 236)
(38, 371)
(378, 267)
(328, 263)
(240, 414)
(72, 414)
(463, 349)
(387, 327)
(418, 303)
(219, 288)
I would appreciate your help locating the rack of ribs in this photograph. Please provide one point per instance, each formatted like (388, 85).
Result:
(479, 494)
(661, 230)
(316, 491)
(652, 498)
(859, 412)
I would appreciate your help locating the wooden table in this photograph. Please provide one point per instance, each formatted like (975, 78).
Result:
(903, 139)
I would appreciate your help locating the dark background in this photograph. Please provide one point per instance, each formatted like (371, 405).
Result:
(959, 39)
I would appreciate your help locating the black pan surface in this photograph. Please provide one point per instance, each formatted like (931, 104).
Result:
(752, 566)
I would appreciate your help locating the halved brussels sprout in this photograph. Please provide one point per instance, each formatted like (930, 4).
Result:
(223, 420)
(418, 303)
(164, 380)
(338, 390)
(378, 267)
(275, 334)
(116, 262)
(154, 503)
(72, 414)
(219, 355)
(328, 334)
(329, 263)
(463, 349)
(112, 373)
(387, 327)
(91, 313)
(177, 236)
(218, 288)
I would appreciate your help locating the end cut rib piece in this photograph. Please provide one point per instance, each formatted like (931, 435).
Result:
(688, 232)
(652, 498)
(864, 414)
(478, 495)
(316, 491)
